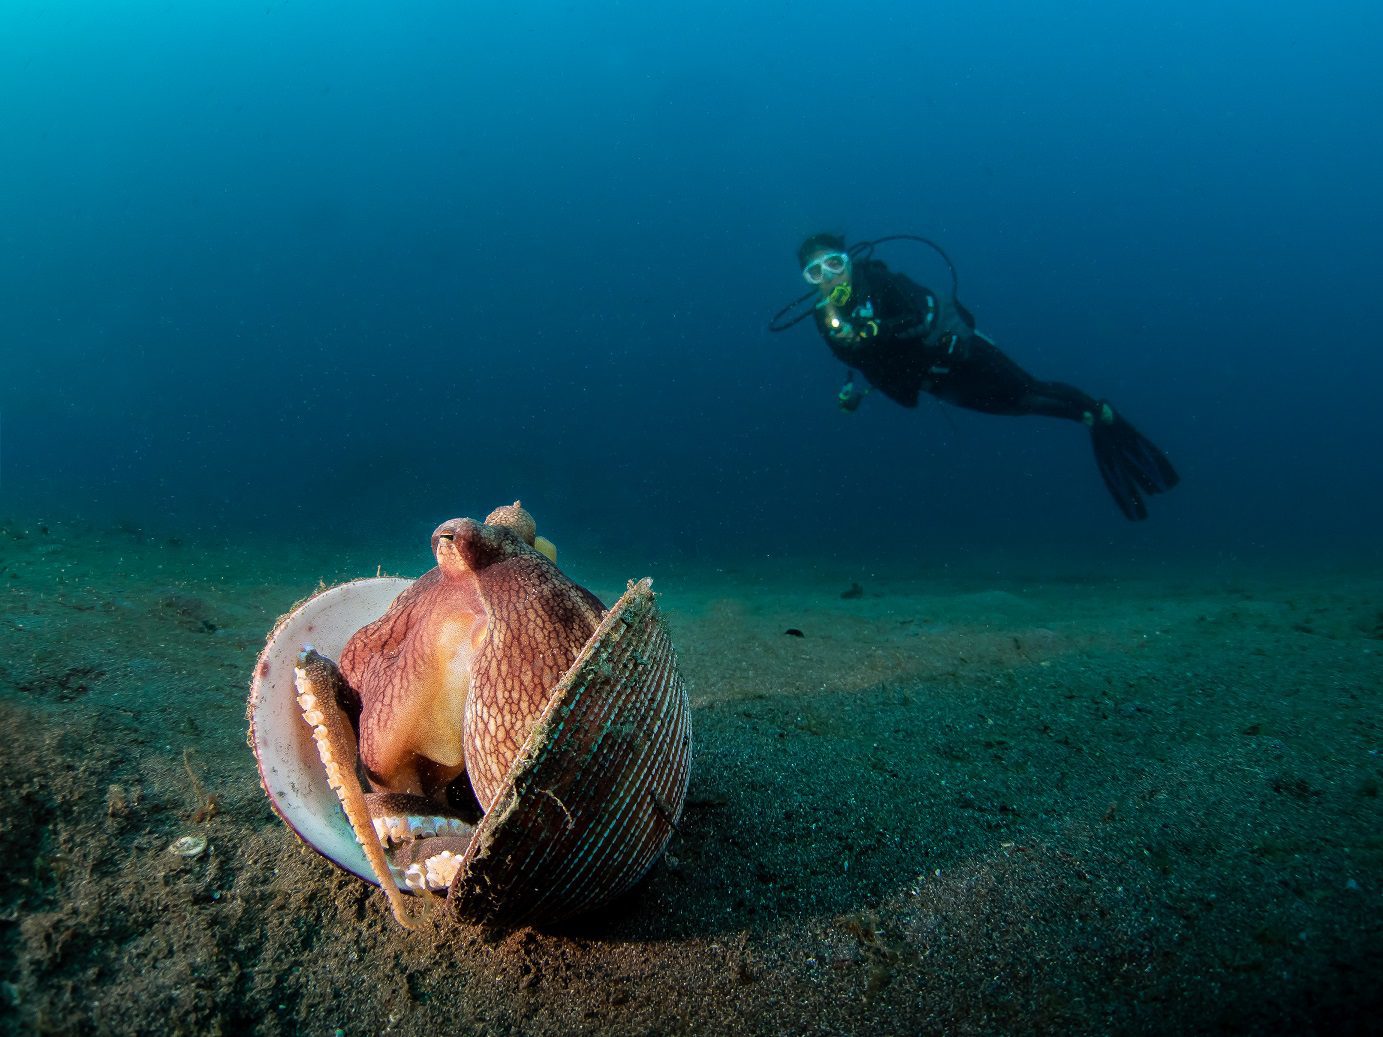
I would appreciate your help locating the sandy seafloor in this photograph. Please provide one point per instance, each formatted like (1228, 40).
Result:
(1000, 799)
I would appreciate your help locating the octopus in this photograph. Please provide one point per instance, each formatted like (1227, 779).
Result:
(488, 730)
(445, 685)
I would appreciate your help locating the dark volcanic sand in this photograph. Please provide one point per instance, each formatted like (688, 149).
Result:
(970, 805)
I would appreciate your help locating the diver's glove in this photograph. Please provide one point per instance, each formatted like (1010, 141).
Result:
(849, 398)
(869, 329)
(1105, 416)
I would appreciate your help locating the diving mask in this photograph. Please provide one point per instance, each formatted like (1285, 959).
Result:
(825, 266)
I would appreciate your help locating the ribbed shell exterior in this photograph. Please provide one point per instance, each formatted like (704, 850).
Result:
(598, 788)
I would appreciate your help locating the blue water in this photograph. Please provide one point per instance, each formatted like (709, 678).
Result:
(272, 269)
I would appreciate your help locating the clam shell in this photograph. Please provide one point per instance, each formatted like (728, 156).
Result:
(289, 767)
(586, 808)
(598, 788)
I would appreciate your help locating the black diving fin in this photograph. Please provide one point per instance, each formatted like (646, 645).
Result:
(1131, 465)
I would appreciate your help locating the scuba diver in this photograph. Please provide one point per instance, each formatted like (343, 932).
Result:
(906, 339)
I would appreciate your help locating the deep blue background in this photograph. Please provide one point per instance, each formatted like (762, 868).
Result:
(278, 269)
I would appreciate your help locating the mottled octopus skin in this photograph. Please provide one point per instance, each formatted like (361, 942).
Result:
(520, 620)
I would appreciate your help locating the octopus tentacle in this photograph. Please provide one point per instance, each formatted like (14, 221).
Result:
(317, 680)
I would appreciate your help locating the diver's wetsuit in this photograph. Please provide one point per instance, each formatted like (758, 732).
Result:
(915, 341)
(926, 343)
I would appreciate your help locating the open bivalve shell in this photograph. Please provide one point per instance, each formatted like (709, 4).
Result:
(585, 808)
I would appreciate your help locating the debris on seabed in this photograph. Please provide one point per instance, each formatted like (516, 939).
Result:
(189, 846)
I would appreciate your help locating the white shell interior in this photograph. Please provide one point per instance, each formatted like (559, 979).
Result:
(288, 761)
